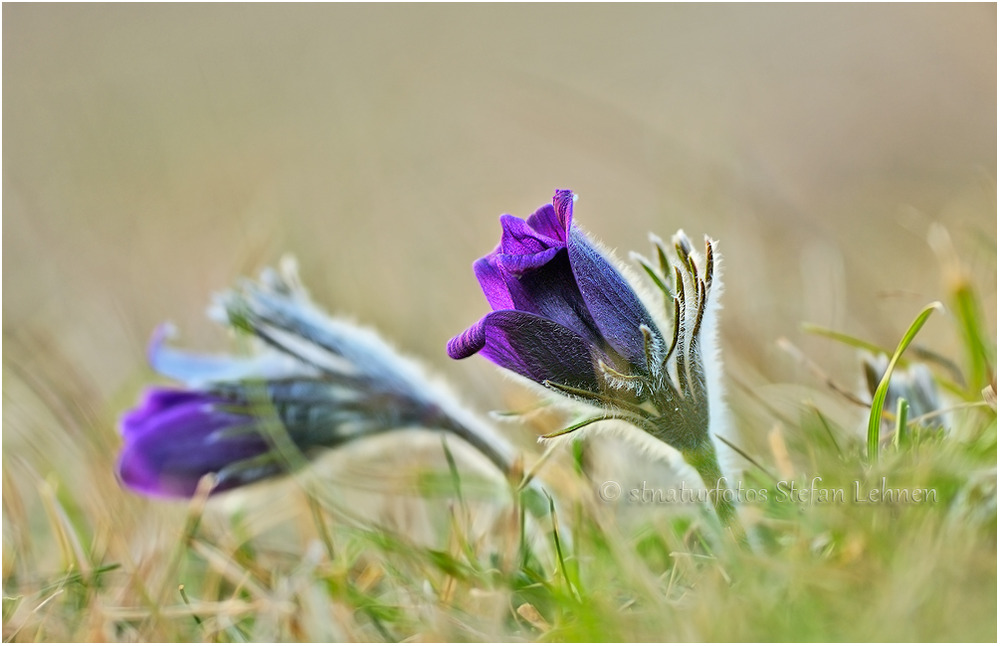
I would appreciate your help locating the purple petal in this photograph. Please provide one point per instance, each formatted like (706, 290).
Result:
(547, 222)
(175, 437)
(517, 266)
(520, 237)
(531, 346)
(493, 283)
(156, 403)
(551, 292)
(554, 310)
(468, 343)
(522, 248)
(612, 303)
(562, 204)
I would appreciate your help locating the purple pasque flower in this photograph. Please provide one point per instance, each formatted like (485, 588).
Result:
(562, 314)
(312, 383)
(564, 317)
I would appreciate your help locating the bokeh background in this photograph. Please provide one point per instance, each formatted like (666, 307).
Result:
(152, 154)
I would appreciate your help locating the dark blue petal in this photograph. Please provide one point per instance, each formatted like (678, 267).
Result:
(493, 283)
(551, 292)
(518, 265)
(540, 282)
(612, 303)
(549, 223)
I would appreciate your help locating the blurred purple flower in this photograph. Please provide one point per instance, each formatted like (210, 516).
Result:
(313, 383)
(560, 309)
(176, 436)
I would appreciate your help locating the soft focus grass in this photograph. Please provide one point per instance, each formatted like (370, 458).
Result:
(154, 154)
(318, 572)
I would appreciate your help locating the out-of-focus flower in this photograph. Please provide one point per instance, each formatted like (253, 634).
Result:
(313, 383)
(914, 384)
(176, 436)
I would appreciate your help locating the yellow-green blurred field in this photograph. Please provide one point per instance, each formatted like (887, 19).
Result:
(153, 154)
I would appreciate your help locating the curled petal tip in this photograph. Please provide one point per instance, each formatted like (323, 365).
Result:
(468, 343)
(562, 201)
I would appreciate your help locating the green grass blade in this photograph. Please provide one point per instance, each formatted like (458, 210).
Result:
(456, 479)
(878, 400)
(979, 350)
(829, 431)
(568, 575)
(902, 437)
(846, 339)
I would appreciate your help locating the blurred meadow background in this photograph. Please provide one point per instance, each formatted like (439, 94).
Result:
(154, 154)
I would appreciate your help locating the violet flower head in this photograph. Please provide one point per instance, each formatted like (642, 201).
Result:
(561, 310)
(314, 383)
(564, 317)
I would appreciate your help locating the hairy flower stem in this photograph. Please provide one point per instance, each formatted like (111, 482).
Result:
(493, 447)
(706, 463)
